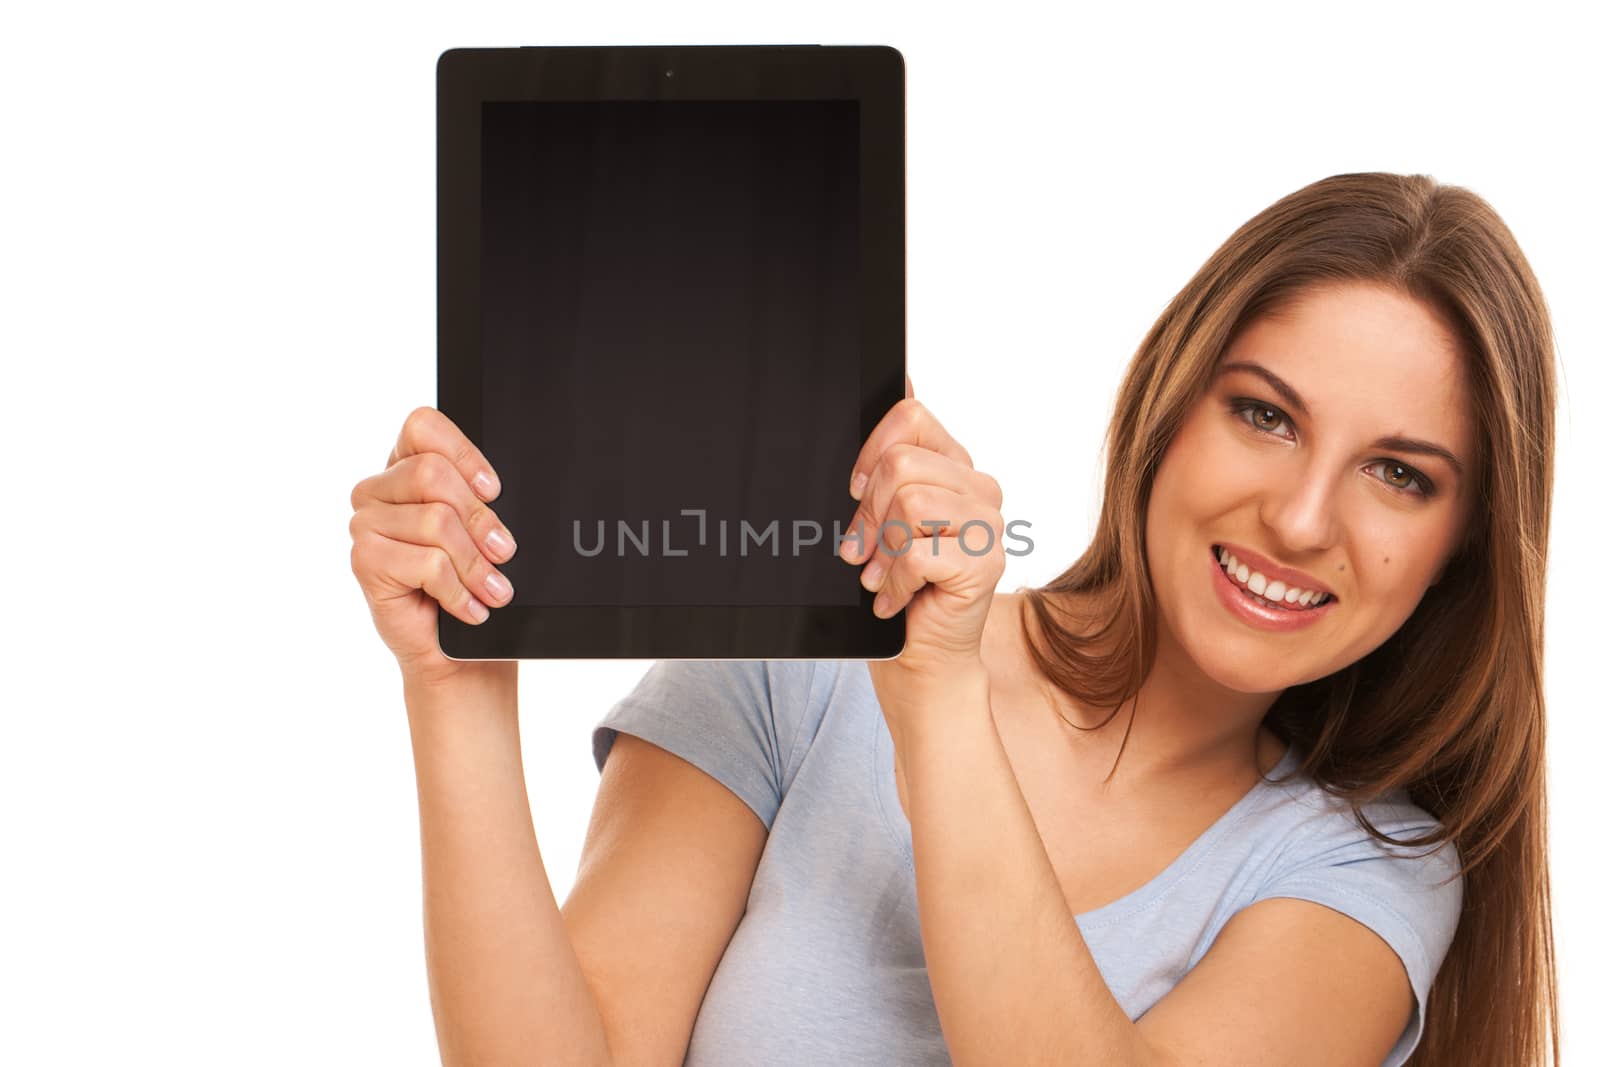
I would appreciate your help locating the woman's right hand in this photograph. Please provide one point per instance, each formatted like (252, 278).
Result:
(422, 536)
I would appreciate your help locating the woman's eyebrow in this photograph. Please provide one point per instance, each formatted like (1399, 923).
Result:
(1391, 443)
(1420, 448)
(1271, 379)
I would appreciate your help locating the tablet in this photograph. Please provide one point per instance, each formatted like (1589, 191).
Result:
(671, 309)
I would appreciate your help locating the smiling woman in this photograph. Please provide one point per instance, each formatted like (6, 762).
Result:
(1326, 489)
(1353, 400)
(1311, 616)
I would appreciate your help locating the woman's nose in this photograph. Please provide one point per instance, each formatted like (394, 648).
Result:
(1303, 512)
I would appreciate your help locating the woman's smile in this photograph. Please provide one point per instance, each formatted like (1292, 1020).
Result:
(1276, 610)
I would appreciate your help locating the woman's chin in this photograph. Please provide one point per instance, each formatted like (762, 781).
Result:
(1241, 665)
(1230, 677)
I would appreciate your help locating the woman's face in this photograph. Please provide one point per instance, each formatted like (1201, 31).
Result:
(1288, 467)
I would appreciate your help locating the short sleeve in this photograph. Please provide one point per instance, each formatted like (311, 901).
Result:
(740, 721)
(1410, 896)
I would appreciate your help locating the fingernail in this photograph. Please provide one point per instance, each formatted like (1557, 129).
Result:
(498, 585)
(500, 543)
(484, 484)
(858, 483)
(872, 575)
(476, 610)
(879, 604)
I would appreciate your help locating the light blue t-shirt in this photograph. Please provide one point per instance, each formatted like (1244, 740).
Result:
(826, 966)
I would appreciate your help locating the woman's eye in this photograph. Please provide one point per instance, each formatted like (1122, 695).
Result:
(1268, 420)
(1408, 482)
(1260, 417)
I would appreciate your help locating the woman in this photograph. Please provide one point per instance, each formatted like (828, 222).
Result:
(1260, 779)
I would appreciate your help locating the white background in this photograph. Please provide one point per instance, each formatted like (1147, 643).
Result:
(218, 306)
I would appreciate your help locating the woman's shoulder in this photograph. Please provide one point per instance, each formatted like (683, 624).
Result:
(1382, 863)
(1293, 796)
(1384, 857)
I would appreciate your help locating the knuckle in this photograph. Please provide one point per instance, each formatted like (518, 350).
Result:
(433, 472)
(897, 459)
(439, 568)
(414, 428)
(436, 518)
(416, 420)
(914, 501)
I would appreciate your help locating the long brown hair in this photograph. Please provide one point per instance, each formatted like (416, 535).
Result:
(1451, 708)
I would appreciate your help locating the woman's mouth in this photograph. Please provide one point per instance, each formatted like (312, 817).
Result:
(1274, 608)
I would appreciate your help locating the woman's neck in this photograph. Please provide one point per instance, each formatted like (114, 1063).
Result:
(1185, 728)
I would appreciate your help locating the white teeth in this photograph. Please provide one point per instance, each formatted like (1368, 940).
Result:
(1275, 591)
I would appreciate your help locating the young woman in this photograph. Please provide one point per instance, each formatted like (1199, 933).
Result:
(1258, 780)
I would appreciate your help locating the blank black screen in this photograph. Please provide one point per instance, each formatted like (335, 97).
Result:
(671, 321)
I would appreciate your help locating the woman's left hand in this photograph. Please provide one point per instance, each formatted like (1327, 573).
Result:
(932, 532)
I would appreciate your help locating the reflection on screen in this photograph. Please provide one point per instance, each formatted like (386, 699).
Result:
(671, 326)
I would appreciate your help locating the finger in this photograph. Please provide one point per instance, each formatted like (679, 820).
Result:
(435, 524)
(910, 486)
(910, 423)
(942, 567)
(429, 477)
(901, 467)
(400, 568)
(908, 386)
(918, 511)
(430, 430)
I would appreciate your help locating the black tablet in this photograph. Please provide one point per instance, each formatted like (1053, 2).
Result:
(671, 308)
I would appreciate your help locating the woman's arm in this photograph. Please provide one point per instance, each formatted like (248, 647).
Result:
(505, 982)
(1012, 978)
(1287, 981)
(668, 862)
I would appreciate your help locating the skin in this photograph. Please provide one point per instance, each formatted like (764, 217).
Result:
(1014, 826)
(993, 782)
(1309, 491)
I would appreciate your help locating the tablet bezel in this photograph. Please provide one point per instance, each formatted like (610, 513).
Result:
(872, 75)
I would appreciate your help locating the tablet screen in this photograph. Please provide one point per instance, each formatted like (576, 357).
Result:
(671, 319)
